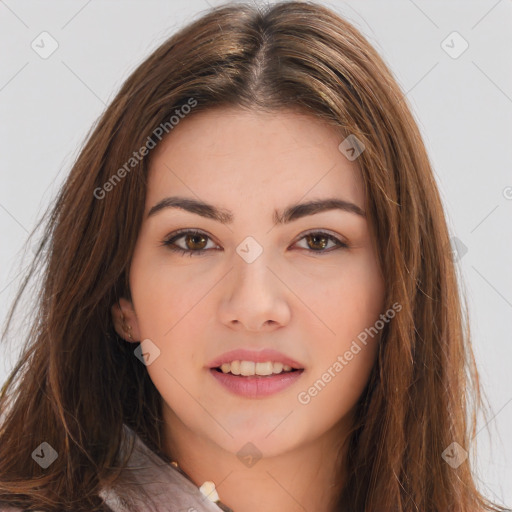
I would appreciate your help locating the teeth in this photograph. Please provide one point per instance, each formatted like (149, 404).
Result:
(278, 367)
(235, 368)
(247, 368)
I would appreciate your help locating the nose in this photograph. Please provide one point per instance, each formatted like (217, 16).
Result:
(255, 297)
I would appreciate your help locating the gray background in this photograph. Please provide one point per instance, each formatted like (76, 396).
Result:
(463, 106)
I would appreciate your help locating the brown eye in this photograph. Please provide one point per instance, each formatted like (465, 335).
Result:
(195, 241)
(319, 241)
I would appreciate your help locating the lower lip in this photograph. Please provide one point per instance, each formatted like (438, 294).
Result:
(256, 386)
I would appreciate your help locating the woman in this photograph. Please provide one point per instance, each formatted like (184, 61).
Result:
(249, 299)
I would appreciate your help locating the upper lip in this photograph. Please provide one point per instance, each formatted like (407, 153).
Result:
(260, 356)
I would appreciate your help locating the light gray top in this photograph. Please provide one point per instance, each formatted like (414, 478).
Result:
(164, 487)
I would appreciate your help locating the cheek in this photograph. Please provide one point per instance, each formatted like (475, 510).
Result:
(349, 305)
(164, 294)
(331, 394)
(170, 303)
(343, 298)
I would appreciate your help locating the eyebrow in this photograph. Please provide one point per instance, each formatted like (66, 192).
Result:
(288, 214)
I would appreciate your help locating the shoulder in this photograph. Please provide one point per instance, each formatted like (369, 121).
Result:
(157, 485)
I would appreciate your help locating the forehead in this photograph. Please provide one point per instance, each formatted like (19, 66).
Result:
(229, 154)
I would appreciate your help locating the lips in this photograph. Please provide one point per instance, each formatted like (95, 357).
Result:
(256, 386)
(260, 356)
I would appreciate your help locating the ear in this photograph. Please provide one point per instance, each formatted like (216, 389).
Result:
(125, 320)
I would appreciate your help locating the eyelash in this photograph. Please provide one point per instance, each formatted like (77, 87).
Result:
(200, 252)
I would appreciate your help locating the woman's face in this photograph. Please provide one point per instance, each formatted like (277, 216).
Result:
(259, 284)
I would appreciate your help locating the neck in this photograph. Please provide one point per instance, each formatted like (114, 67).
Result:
(305, 478)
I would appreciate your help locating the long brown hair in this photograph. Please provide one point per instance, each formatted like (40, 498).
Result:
(76, 381)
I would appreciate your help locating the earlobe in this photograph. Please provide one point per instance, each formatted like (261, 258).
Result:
(125, 320)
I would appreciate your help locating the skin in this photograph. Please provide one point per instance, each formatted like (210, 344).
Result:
(308, 305)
